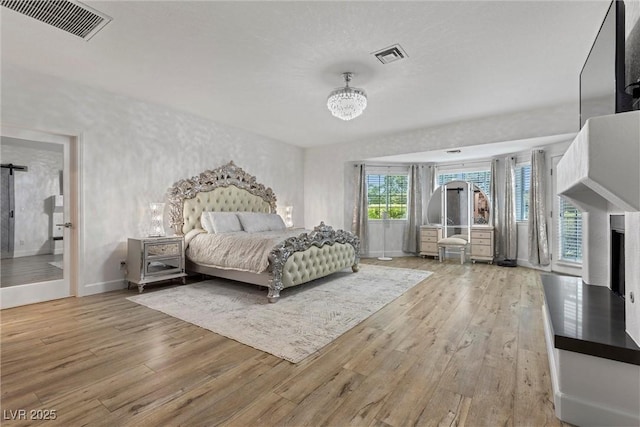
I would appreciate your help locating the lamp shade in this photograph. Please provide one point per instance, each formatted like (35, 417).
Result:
(288, 216)
(156, 226)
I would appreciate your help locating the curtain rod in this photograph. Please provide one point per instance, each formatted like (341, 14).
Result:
(393, 165)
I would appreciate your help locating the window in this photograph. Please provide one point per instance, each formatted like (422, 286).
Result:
(570, 232)
(523, 184)
(480, 178)
(387, 193)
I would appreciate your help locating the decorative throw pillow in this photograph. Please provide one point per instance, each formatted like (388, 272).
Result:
(255, 222)
(225, 222)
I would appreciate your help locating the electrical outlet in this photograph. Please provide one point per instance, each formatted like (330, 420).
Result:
(123, 265)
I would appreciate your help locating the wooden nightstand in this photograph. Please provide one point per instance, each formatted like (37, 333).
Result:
(151, 259)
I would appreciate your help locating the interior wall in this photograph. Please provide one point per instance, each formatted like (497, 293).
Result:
(32, 194)
(131, 153)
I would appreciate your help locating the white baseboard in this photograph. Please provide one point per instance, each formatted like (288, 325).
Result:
(585, 413)
(101, 287)
(525, 263)
(30, 252)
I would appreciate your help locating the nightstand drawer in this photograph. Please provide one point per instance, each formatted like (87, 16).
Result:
(161, 268)
(162, 249)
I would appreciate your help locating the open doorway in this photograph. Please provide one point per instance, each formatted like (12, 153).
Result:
(37, 214)
(31, 206)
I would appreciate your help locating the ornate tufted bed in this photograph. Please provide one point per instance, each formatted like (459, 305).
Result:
(231, 231)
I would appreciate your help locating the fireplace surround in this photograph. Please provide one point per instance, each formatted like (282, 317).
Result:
(592, 332)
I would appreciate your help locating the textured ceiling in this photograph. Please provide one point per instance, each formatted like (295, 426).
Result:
(268, 66)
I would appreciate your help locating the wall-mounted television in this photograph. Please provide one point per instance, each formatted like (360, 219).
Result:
(602, 79)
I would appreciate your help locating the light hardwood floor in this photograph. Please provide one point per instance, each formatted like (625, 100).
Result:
(29, 269)
(464, 347)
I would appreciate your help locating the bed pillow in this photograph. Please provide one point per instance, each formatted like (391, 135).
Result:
(225, 222)
(255, 222)
(205, 221)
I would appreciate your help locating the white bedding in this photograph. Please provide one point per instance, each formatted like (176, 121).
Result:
(235, 251)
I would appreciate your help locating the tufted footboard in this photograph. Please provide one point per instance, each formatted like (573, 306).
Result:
(310, 256)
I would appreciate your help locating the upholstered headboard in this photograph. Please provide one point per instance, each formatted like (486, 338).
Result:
(226, 189)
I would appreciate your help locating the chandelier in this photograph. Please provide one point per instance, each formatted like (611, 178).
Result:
(347, 102)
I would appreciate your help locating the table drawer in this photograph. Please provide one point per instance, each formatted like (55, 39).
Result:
(476, 234)
(481, 250)
(429, 247)
(431, 237)
(481, 242)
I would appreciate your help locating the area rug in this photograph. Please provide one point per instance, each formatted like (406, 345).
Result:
(305, 319)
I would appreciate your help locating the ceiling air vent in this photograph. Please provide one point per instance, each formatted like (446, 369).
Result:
(70, 16)
(390, 54)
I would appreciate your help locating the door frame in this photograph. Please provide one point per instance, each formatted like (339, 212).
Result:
(69, 286)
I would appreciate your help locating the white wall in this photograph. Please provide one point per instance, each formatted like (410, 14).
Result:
(32, 194)
(132, 151)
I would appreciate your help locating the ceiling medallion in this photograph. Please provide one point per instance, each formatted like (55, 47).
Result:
(347, 102)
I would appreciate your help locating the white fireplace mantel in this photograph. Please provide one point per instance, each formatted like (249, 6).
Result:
(602, 164)
(600, 175)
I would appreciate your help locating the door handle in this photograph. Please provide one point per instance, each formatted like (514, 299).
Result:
(65, 225)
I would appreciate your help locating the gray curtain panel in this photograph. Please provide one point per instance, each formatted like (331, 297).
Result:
(411, 237)
(509, 231)
(360, 222)
(538, 237)
(495, 221)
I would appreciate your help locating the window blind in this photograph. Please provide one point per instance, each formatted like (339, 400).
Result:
(480, 178)
(387, 193)
(570, 232)
(523, 184)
